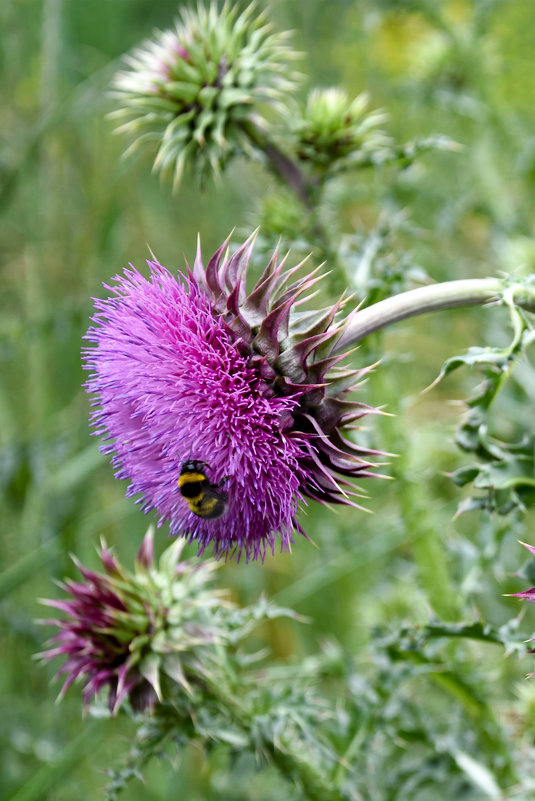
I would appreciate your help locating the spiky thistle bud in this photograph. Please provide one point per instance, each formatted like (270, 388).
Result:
(225, 407)
(129, 631)
(189, 90)
(332, 128)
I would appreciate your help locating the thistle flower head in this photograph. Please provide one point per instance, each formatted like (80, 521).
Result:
(125, 631)
(190, 89)
(332, 127)
(201, 371)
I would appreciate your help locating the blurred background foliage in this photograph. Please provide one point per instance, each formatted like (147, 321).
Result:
(73, 213)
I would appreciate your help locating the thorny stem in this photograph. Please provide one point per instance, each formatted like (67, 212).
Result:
(447, 295)
(293, 766)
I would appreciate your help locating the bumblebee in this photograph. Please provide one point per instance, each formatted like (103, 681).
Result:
(204, 499)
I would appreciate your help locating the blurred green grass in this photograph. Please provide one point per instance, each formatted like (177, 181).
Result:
(73, 213)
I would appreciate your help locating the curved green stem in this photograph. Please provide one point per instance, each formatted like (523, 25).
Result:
(466, 292)
(448, 295)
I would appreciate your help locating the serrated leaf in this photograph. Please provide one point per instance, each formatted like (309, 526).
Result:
(493, 359)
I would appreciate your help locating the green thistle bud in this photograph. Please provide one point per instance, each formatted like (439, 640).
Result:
(129, 632)
(192, 89)
(332, 128)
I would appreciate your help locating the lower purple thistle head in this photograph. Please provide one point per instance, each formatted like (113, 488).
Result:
(130, 632)
(224, 408)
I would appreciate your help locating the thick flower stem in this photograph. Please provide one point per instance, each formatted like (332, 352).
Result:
(466, 292)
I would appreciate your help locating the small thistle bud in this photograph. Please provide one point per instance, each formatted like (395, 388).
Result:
(190, 90)
(127, 632)
(332, 128)
(225, 408)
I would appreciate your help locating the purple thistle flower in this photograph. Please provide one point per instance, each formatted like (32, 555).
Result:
(125, 631)
(197, 369)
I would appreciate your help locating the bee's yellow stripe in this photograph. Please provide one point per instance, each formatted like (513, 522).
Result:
(191, 478)
(204, 506)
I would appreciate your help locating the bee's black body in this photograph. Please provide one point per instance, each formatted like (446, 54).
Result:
(205, 499)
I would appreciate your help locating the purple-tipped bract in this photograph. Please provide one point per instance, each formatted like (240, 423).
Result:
(131, 632)
(95, 637)
(198, 368)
